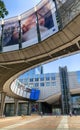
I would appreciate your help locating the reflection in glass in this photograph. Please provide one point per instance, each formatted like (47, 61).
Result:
(78, 76)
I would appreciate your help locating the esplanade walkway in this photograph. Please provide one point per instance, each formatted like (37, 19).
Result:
(64, 42)
(42, 123)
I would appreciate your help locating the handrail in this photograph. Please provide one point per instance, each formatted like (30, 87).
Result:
(19, 89)
(69, 10)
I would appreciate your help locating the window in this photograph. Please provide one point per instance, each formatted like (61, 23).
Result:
(42, 84)
(53, 83)
(36, 84)
(36, 79)
(47, 77)
(31, 79)
(31, 85)
(52, 76)
(47, 84)
(42, 77)
(78, 76)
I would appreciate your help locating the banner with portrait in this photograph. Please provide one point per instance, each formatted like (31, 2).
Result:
(29, 31)
(47, 19)
(11, 33)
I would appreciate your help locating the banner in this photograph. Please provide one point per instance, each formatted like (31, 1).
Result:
(29, 32)
(34, 94)
(47, 19)
(11, 33)
(47, 23)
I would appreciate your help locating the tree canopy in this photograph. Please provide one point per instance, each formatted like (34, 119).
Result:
(3, 10)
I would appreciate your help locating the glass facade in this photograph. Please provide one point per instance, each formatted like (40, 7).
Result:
(75, 101)
(65, 92)
(78, 76)
(44, 80)
(34, 80)
(42, 77)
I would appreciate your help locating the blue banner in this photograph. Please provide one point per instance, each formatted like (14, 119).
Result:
(34, 95)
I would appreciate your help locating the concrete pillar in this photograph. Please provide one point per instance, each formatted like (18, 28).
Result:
(15, 107)
(40, 107)
(29, 108)
(3, 95)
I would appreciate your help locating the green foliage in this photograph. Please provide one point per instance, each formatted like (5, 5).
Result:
(3, 10)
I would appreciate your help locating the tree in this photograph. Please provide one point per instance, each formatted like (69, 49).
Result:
(3, 10)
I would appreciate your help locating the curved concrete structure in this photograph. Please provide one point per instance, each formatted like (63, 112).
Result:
(65, 42)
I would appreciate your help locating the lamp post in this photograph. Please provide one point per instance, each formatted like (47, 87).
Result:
(2, 29)
(20, 40)
(37, 25)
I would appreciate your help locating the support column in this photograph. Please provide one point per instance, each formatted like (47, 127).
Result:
(40, 107)
(15, 107)
(3, 95)
(29, 108)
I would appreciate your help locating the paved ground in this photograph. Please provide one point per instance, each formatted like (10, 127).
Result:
(30, 122)
(74, 122)
(40, 123)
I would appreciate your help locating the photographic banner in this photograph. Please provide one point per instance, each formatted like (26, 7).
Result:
(47, 19)
(29, 32)
(11, 33)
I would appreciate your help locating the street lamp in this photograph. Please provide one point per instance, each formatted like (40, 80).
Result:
(20, 40)
(37, 25)
(2, 29)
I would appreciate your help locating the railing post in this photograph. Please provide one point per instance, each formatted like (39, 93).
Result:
(58, 15)
(20, 39)
(37, 25)
(1, 42)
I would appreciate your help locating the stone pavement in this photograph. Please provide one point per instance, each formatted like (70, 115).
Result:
(63, 124)
(40, 123)
(74, 122)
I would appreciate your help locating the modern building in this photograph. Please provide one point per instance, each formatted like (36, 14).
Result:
(59, 93)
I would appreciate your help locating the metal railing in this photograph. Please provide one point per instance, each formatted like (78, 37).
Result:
(19, 89)
(68, 11)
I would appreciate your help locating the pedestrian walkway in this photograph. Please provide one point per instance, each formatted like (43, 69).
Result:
(40, 123)
(19, 124)
(74, 122)
(31, 122)
(63, 124)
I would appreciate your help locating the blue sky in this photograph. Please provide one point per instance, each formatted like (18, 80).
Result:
(72, 62)
(16, 7)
